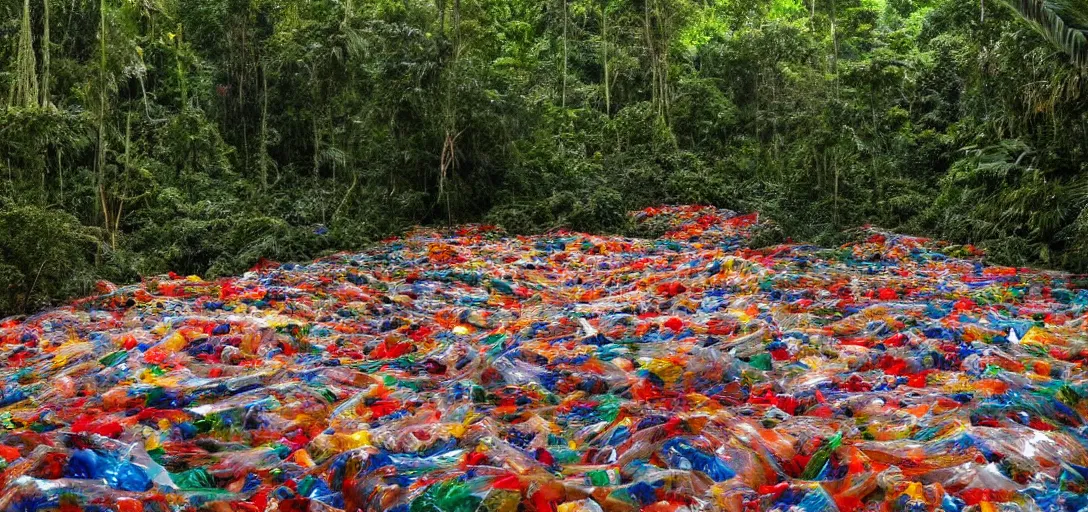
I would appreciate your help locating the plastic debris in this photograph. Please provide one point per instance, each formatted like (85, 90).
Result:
(464, 370)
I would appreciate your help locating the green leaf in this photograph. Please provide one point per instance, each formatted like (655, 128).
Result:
(1061, 22)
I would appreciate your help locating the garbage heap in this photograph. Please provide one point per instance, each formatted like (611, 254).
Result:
(465, 370)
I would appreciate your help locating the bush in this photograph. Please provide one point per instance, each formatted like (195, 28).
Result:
(45, 255)
(599, 210)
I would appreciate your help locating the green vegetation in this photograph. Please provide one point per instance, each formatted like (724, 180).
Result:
(201, 136)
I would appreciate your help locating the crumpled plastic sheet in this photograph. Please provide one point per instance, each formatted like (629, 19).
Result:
(464, 370)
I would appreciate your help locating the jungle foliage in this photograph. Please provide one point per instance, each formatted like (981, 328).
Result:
(144, 136)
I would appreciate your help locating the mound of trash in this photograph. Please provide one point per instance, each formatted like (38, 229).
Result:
(465, 370)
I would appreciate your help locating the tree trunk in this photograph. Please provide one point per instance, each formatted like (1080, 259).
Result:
(835, 163)
(441, 6)
(24, 92)
(45, 56)
(317, 147)
(876, 140)
(457, 22)
(263, 158)
(835, 46)
(604, 51)
(124, 176)
(564, 71)
(652, 54)
(662, 63)
(313, 118)
(100, 155)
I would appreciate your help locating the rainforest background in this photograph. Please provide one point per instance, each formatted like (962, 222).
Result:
(199, 136)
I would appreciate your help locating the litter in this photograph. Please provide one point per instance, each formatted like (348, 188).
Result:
(463, 370)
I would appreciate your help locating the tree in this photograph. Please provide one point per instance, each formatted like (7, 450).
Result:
(24, 91)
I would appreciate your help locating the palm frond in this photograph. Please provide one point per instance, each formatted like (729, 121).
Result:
(1060, 22)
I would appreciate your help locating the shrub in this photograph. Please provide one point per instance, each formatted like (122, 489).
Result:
(45, 255)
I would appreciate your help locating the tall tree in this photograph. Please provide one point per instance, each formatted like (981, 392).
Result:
(24, 91)
(46, 43)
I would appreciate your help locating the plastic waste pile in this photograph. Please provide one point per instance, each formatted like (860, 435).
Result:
(464, 370)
